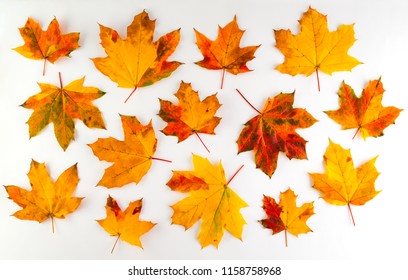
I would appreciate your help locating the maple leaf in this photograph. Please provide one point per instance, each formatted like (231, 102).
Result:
(286, 215)
(126, 225)
(273, 131)
(210, 199)
(48, 45)
(137, 61)
(225, 53)
(60, 106)
(365, 113)
(131, 157)
(46, 198)
(343, 184)
(190, 116)
(315, 48)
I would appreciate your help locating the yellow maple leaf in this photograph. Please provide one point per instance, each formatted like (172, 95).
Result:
(126, 225)
(137, 61)
(46, 199)
(286, 215)
(343, 184)
(131, 157)
(315, 48)
(211, 200)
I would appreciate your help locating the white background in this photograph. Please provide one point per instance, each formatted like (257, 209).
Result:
(381, 33)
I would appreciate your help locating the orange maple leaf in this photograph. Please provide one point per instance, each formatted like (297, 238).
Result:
(48, 45)
(210, 199)
(273, 131)
(365, 113)
(342, 184)
(60, 106)
(137, 61)
(225, 53)
(131, 157)
(126, 225)
(286, 215)
(46, 198)
(190, 116)
(315, 48)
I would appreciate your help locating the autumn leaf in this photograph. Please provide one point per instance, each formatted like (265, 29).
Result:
(210, 199)
(316, 48)
(273, 131)
(48, 45)
(342, 184)
(126, 225)
(225, 53)
(286, 215)
(46, 198)
(131, 157)
(137, 61)
(190, 116)
(61, 106)
(365, 113)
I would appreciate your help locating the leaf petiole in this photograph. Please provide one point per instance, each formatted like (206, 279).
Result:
(351, 213)
(318, 80)
(133, 91)
(248, 102)
(116, 242)
(235, 174)
(202, 142)
(161, 159)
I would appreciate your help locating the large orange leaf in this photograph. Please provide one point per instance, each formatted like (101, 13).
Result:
(225, 53)
(126, 225)
(131, 157)
(137, 61)
(286, 215)
(210, 199)
(61, 106)
(365, 113)
(47, 199)
(190, 116)
(48, 45)
(342, 184)
(273, 131)
(316, 48)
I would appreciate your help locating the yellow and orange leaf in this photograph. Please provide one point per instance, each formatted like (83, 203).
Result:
(126, 225)
(137, 61)
(61, 106)
(190, 116)
(47, 199)
(131, 157)
(210, 199)
(286, 215)
(316, 48)
(273, 131)
(48, 45)
(224, 53)
(343, 184)
(366, 113)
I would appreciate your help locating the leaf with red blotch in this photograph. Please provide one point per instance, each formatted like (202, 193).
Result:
(48, 45)
(225, 53)
(273, 131)
(190, 116)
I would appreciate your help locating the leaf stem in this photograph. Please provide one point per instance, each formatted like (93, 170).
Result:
(45, 61)
(202, 142)
(235, 174)
(248, 101)
(351, 213)
(60, 79)
(355, 134)
(318, 80)
(133, 91)
(52, 223)
(286, 238)
(114, 245)
(222, 79)
(161, 159)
